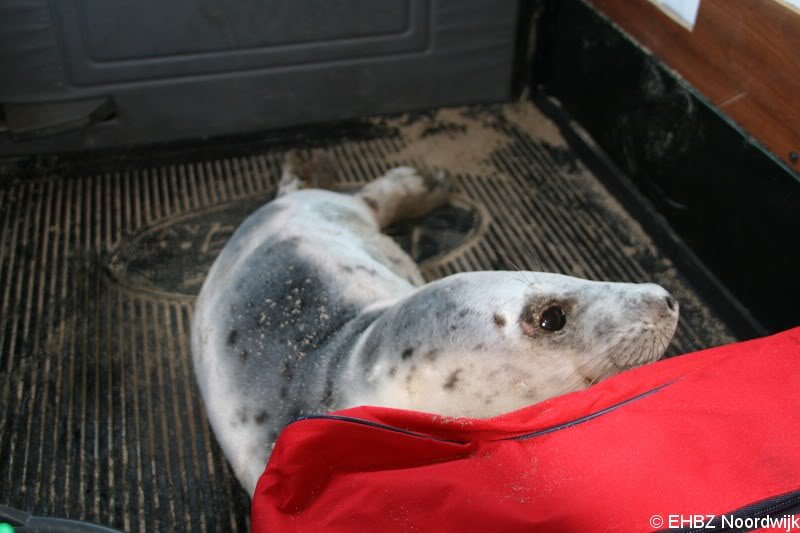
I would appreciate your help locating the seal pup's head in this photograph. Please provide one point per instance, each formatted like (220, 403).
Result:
(483, 343)
(603, 328)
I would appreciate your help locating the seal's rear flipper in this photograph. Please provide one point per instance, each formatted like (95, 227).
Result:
(403, 193)
(301, 171)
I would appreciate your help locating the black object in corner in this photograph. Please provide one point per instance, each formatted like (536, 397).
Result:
(734, 204)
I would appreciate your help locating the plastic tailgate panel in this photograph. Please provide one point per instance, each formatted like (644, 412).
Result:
(195, 68)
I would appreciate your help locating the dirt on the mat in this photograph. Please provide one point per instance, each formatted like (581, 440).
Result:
(447, 139)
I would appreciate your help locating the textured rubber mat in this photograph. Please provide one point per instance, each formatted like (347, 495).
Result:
(101, 419)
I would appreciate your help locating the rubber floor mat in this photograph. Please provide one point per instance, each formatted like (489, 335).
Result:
(101, 418)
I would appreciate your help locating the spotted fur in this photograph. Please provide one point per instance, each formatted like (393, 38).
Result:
(310, 308)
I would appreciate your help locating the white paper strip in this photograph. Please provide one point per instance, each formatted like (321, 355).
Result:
(684, 11)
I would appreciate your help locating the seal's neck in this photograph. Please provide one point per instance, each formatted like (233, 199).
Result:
(460, 384)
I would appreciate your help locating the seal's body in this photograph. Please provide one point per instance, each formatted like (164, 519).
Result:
(309, 308)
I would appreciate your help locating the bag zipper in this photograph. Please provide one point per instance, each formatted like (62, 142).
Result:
(537, 433)
(590, 416)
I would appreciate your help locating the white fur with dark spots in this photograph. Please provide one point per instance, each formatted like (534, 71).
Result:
(309, 308)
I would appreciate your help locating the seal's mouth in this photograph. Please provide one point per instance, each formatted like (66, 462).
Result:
(648, 337)
(644, 348)
(645, 345)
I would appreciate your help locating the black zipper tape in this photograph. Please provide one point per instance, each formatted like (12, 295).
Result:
(368, 423)
(590, 416)
(536, 433)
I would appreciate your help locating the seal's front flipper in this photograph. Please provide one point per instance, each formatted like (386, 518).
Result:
(301, 171)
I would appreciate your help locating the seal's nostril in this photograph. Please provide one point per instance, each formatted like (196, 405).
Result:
(671, 303)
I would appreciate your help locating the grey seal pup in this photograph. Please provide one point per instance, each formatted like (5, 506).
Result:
(309, 308)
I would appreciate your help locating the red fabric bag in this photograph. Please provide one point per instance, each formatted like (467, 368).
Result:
(712, 434)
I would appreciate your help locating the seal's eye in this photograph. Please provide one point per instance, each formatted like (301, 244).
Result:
(552, 318)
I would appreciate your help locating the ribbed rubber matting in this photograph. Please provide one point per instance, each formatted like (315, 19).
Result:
(101, 419)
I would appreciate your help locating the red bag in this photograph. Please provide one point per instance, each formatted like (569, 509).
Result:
(712, 434)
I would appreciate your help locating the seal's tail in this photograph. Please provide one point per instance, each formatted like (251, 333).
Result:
(301, 171)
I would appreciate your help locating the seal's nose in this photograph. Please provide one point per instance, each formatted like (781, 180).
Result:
(659, 301)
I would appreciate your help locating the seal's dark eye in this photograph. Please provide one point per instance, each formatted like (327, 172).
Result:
(552, 318)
